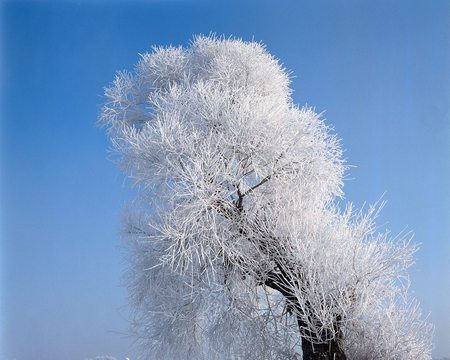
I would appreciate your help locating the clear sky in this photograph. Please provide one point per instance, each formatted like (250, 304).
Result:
(380, 69)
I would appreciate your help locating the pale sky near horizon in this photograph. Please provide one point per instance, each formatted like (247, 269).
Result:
(380, 69)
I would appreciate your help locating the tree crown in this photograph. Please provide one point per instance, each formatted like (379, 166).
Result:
(236, 230)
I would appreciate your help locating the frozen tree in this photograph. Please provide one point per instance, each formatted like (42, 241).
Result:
(239, 244)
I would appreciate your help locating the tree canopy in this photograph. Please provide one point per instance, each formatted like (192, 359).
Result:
(239, 245)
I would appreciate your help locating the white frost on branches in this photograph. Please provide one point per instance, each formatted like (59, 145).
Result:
(236, 237)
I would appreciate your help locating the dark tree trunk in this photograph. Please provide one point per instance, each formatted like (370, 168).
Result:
(328, 351)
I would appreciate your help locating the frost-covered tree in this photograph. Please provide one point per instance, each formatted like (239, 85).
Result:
(239, 246)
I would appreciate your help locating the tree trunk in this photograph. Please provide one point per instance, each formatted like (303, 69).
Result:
(328, 351)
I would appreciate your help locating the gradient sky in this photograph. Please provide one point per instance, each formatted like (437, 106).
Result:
(380, 69)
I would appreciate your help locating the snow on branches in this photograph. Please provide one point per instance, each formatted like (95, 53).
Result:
(238, 248)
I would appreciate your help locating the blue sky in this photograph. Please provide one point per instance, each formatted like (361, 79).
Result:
(380, 69)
